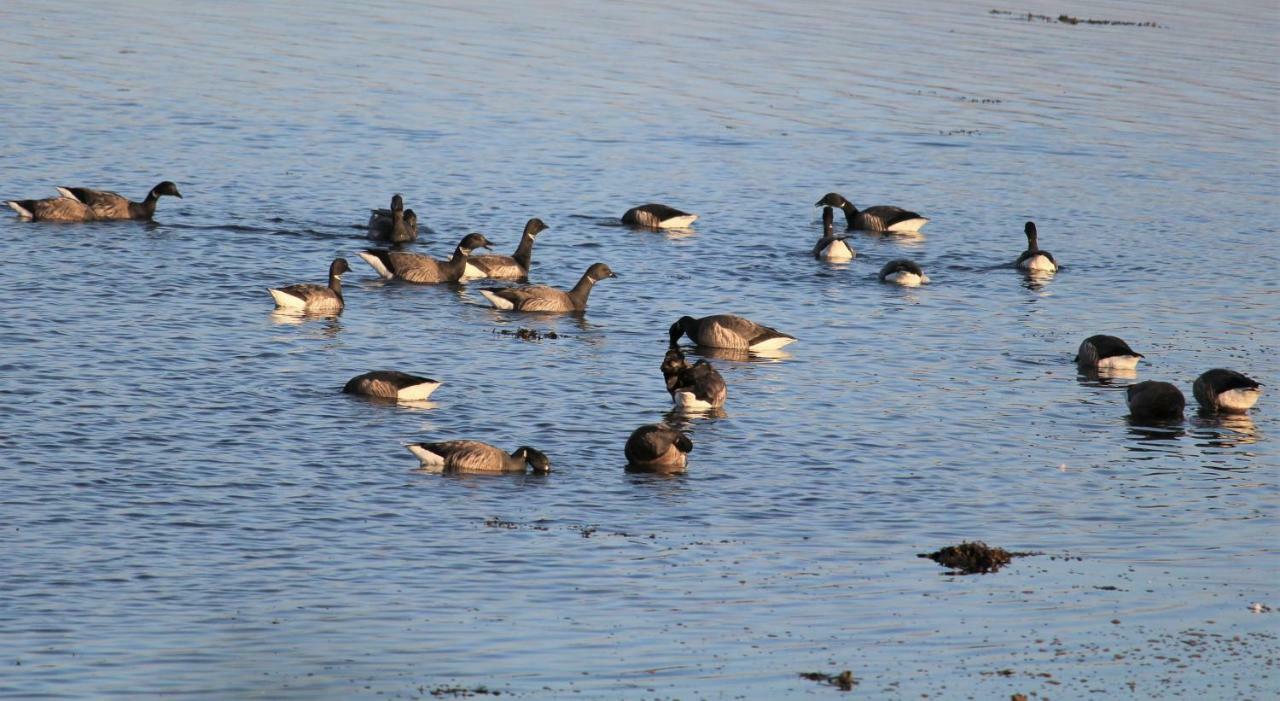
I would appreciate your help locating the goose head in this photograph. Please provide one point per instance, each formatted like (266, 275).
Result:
(397, 203)
(534, 458)
(471, 242)
(166, 188)
(338, 267)
(600, 271)
(831, 199)
(534, 227)
(678, 329)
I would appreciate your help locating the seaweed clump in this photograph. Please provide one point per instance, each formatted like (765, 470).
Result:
(529, 334)
(973, 558)
(843, 681)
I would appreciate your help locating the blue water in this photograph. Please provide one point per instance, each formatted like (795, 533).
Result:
(192, 510)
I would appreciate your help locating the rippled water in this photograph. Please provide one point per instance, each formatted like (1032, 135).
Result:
(192, 510)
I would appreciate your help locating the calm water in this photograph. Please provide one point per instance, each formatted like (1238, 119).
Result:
(192, 510)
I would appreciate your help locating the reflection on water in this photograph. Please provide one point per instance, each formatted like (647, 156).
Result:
(1224, 430)
(740, 355)
(1105, 377)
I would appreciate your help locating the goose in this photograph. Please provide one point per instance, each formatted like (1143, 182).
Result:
(1107, 353)
(903, 272)
(830, 246)
(474, 456)
(109, 205)
(513, 267)
(658, 216)
(396, 225)
(1155, 401)
(1226, 391)
(59, 209)
(1033, 259)
(878, 218)
(392, 384)
(540, 298)
(696, 387)
(416, 267)
(657, 448)
(314, 298)
(729, 331)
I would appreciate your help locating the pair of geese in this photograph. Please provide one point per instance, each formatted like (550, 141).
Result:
(1219, 390)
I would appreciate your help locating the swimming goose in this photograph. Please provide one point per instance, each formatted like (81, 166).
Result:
(830, 246)
(696, 387)
(416, 267)
(658, 216)
(903, 272)
(1226, 391)
(657, 448)
(314, 298)
(540, 298)
(878, 218)
(1155, 401)
(62, 209)
(729, 331)
(109, 205)
(1107, 353)
(474, 456)
(396, 225)
(1033, 259)
(392, 384)
(513, 267)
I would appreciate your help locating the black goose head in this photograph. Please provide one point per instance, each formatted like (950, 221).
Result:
(471, 242)
(678, 329)
(166, 188)
(1030, 230)
(410, 218)
(397, 203)
(600, 271)
(534, 458)
(831, 199)
(534, 226)
(338, 267)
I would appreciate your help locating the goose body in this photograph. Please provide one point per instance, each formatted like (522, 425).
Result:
(109, 205)
(903, 272)
(57, 209)
(512, 267)
(1033, 259)
(830, 246)
(1155, 401)
(474, 456)
(657, 448)
(697, 387)
(394, 225)
(1226, 391)
(541, 298)
(1107, 353)
(314, 298)
(729, 331)
(420, 268)
(878, 218)
(392, 384)
(658, 216)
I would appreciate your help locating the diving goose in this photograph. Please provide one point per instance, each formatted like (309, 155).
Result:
(416, 267)
(395, 225)
(657, 448)
(513, 267)
(60, 209)
(1155, 401)
(314, 298)
(729, 331)
(903, 272)
(658, 216)
(1107, 353)
(1033, 259)
(830, 246)
(1226, 391)
(392, 384)
(540, 298)
(696, 387)
(109, 205)
(474, 456)
(878, 218)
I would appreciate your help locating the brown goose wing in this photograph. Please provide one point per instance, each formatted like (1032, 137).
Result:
(498, 267)
(470, 456)
(540, 298)
(57, 209)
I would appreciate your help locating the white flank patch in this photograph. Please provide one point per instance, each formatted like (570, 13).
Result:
(20, 210)
(471, 272)
(429, 460)
(837, 250)
(1119, 362)
(496, 301)
(1238, 399)
(66, 193)
(772, 344)
(417, 393)
(688, 401)
(1039, 263)
(285, 300)
(906, 279)
(375, 263)
(910, 225)
(677, 222)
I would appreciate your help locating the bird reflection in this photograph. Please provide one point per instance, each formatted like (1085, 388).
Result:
(740, 355)
(1144, 431)
(297, 317)
(1224, 430)
(1036, 280)
(1102, 377)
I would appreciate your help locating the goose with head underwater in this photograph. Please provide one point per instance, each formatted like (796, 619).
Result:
(416, 267)
(830, 246)
(314, 298)
(541, 298)
(902, 271)
(1226, 391)
(109, 205)
(697, 387)
(657, 448)
(729, 331)
(394, 225)
(1155, 401)
(475, 456)
(512, 267)
(1033, 259)
(392, 384)
(658, 216)
(1107, 353)
(877, 218)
